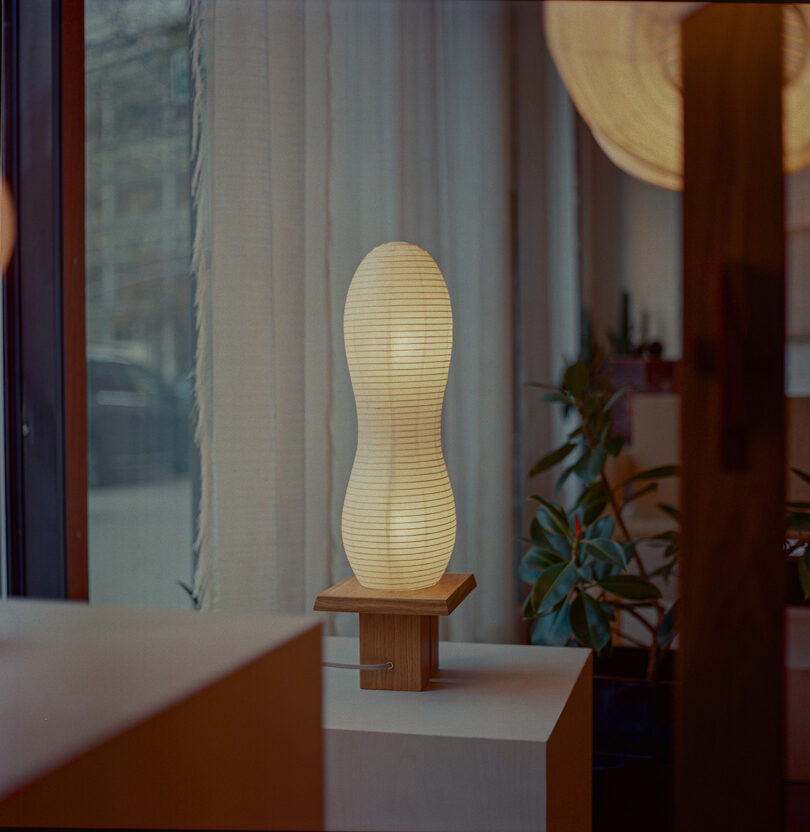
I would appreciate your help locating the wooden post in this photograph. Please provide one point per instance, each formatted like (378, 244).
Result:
(398, 627)
(729, 752)
(403, 640)
(434, 645)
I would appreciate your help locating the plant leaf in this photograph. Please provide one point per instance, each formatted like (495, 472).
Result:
(614, 398)
(631, 587)
(559, 544)
(553, 584)
(558, 397)
(588, 622)
(552, 628)
(602, 528)
(609, 612)
(606, 550)
(553, 517)
(664, 571)
(614, 445)
(602, 570)
(565, 475)
(591, 464)
(802, 475)
(629, 550)
(670, 535)
(592, 405)
(529, 611)
(668, 628)
(530, 567)
(592, 501)
(594, 510)
(551, 459)
(670, 510)
(652, 486)
(535, 561)
(576, 379)
(659, 473)
(804, 572)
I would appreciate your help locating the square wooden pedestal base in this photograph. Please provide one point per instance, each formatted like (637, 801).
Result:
(398, 627)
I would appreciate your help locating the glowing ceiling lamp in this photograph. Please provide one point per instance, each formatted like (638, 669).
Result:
(621, 64)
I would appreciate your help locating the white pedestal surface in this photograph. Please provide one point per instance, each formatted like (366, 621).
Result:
(500, 740)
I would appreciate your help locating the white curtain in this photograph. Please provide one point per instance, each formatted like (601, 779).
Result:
(323, 129)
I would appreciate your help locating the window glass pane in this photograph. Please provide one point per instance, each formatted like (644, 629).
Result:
(139, 302)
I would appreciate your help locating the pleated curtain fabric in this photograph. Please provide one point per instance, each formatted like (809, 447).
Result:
(324, 130)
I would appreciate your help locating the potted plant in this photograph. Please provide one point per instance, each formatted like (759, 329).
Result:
(583, 564)
(587, 576)
(587, 573)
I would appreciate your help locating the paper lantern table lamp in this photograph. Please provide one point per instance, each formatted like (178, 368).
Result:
(399, 519)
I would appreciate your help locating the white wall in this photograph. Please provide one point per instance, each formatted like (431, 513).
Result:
(650, 261)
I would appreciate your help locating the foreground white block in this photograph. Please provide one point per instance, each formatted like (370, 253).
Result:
(500, 740)
(158, 719)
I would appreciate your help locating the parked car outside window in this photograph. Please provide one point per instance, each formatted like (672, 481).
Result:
(138, 426)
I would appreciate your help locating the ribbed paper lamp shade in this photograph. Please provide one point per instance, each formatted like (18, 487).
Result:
(621, 64)
(399, 519)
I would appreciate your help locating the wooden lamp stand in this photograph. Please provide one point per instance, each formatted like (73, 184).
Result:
(398, 627)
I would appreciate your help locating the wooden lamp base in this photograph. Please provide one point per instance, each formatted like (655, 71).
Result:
(398, 627)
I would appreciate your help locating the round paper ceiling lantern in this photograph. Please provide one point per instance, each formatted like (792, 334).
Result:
(399, 518)
(621, 64)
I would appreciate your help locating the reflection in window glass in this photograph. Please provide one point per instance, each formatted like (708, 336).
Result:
(139, 328)
(797, 250)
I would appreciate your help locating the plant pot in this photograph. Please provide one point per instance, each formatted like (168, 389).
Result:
(632, 743)
(794, 597)
(631, 716)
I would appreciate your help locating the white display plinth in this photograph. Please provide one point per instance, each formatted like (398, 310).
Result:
(501, 740)
(158, 719)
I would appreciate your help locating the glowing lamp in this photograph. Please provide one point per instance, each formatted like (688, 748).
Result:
(399, 519)
(621, 64)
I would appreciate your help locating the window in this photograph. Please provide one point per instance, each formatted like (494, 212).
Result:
(139, 333)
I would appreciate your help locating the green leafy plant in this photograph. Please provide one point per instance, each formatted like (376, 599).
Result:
(583, 564)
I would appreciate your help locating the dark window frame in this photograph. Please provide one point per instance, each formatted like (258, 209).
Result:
(44, 349)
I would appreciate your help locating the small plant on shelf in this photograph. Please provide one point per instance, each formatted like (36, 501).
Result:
(583, 564)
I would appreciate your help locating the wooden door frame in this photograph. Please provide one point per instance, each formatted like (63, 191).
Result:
(729, 755)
